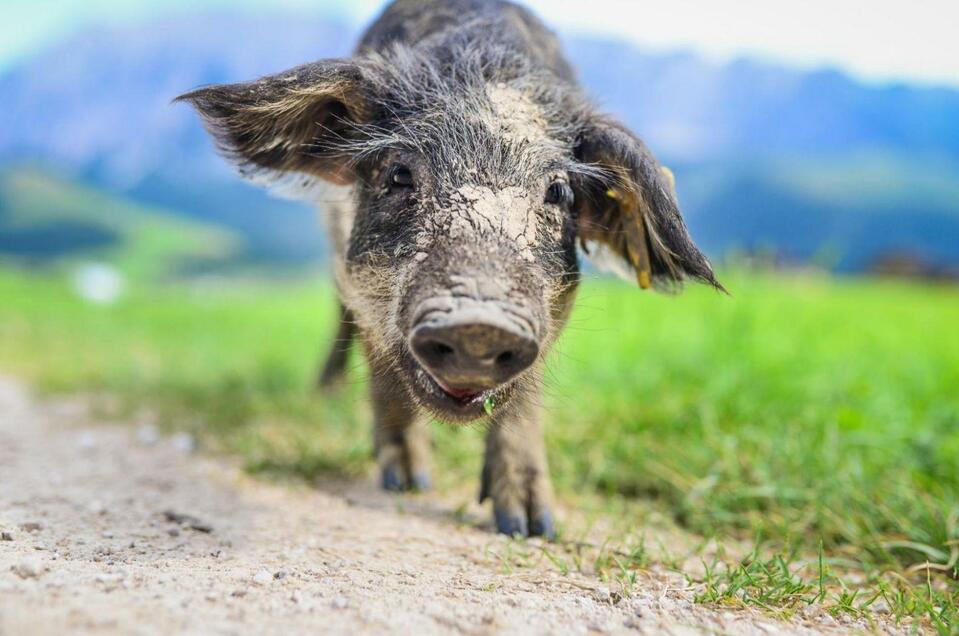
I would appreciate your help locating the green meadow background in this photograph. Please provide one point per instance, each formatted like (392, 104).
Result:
(811, 418)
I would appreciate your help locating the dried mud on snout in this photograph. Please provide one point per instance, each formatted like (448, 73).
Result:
(106, 531)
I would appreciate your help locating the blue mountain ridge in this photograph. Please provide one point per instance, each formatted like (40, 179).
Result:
(96, 107)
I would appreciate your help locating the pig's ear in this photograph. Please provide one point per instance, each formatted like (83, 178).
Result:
(292, 123)
(626, 205)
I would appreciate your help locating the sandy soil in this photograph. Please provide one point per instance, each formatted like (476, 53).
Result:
(103, 530)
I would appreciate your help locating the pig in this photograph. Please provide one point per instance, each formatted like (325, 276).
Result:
(462, 170)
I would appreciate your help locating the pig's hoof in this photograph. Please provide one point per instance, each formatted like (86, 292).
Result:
(542, 526)
(392, 480)
(421, 482)
(511, 524)
(516, 524)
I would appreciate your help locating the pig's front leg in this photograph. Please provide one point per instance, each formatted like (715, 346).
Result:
(515, 474)
(400, 437)
(335, 367)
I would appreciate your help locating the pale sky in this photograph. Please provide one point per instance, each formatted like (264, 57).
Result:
(878, 40)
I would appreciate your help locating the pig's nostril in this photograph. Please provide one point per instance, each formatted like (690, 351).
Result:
(441, 349)
(434, 353)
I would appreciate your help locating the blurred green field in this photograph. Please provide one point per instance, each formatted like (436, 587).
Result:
(802, 413)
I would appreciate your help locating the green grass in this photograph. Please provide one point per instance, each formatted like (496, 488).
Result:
(815, 419)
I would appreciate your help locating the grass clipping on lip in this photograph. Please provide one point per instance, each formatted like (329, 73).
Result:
(489, 405)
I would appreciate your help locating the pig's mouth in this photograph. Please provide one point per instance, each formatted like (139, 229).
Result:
(452, 404)
(464, 396)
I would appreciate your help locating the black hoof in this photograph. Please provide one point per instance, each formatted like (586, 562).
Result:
(392, 481)
(511, 524)
(542, 526)
(421, 482)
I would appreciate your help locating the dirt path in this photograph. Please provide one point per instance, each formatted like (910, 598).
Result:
(87, 547)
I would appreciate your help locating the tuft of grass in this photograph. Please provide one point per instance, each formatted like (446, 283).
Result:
(784, 584)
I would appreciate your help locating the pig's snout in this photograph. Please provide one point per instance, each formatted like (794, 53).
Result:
(474, 349)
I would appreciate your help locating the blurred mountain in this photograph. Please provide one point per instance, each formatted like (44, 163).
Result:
(691, 109)
(96, 109)
(47, 222)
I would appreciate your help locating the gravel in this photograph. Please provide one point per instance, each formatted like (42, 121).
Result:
(282, 560)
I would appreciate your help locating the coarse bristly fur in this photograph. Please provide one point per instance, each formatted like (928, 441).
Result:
(469, 165)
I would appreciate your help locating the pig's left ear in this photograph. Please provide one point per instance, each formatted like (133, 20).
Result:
(294, 123)
(625, 202)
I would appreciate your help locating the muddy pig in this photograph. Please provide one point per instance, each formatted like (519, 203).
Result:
(468, 169)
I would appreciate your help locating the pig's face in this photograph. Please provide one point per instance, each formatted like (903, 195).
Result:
(462, 259)
(461, 274)
(474, 178)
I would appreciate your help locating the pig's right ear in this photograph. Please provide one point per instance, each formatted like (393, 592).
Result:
(293, 122)
(626, 205)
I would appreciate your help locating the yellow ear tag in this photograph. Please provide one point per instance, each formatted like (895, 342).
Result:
(634, 224)
(643, 278)
(669, 177)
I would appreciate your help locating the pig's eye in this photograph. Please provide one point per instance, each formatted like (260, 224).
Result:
(400, 178)
(559, 193)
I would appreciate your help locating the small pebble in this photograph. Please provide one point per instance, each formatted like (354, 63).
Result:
(187, 520)
(340, 602)
(148, 435)
(28, 568)
(86, 440)
(110, 579)
(281, 574)
(183, 442)
(6, 536)
(31, 526)
(263, 577)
